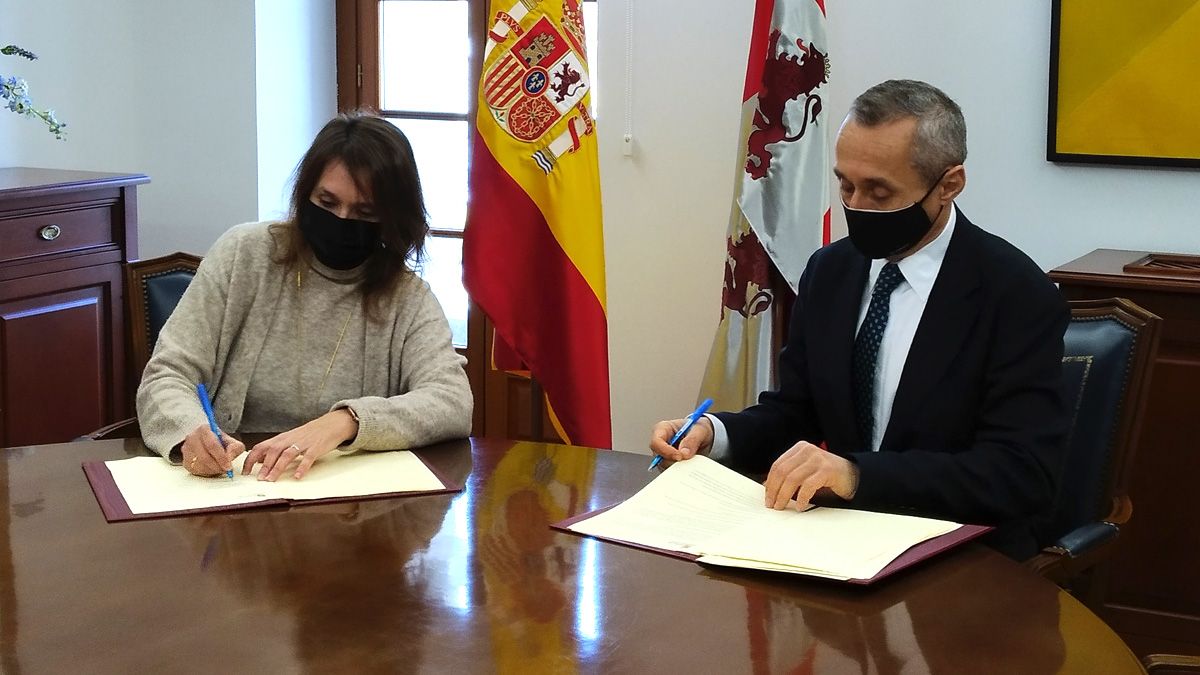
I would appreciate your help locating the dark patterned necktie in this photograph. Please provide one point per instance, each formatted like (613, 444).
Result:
(866, 351)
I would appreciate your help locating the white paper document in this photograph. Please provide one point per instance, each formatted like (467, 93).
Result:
(154, 485)
(701, 507)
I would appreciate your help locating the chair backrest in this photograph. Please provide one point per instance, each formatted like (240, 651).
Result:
(1108, 350)
(153, 288)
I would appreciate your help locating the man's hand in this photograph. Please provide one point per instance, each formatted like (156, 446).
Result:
(804, 469)
(697, 441)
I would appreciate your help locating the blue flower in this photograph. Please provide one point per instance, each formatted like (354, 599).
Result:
(15, 87)
(15, 91)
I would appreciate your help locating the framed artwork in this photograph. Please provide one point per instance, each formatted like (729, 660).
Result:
(1125, 82)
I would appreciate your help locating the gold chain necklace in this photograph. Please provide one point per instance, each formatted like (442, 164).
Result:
(316, 398)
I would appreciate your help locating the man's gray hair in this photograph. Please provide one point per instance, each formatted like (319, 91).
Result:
(940, 140)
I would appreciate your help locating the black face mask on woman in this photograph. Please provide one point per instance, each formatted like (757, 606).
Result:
(339, 243)
(883, 234)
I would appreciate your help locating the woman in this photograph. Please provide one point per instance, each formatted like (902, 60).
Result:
(317, 325)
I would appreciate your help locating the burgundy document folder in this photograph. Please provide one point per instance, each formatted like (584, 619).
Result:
(116, 510)
(912, 556)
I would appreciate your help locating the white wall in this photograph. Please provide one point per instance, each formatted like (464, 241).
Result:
(8, 136)
(296, 78)
(666, 209)
(86, 72)
(171, 90)
(197, 132)
(993, 58)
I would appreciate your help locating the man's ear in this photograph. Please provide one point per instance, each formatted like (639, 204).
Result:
(952, 184)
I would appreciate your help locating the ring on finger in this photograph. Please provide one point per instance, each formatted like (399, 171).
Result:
(298, 450)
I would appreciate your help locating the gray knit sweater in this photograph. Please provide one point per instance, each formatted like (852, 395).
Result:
(276, 351)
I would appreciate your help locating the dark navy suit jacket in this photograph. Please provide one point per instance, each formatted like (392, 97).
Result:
(979, 421)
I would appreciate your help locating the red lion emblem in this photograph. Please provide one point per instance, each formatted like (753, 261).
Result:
(566, 82)
(747, 289)
(786, 77)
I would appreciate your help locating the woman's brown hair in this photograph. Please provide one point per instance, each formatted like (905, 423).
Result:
(380, 160)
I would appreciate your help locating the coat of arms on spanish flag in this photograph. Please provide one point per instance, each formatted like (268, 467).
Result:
(533, 255)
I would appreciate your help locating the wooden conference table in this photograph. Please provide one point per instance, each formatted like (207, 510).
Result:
(477, 582)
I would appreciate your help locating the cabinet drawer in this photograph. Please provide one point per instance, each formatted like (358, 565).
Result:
(55, 232)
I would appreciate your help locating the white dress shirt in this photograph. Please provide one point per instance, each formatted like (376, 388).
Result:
(920, 270)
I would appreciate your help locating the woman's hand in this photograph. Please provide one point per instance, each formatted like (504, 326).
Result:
(203, 454)
(305, 444)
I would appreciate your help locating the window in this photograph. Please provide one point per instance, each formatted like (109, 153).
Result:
(417, 62)
(424, 89)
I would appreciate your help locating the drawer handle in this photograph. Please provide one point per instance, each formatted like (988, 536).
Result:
(50, 232)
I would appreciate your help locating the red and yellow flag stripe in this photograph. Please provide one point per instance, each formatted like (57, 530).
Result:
(533, 256)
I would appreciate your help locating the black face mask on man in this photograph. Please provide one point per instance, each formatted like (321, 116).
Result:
(883, 234)
(339, 243)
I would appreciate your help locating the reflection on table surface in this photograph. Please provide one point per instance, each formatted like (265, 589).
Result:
(476, 581)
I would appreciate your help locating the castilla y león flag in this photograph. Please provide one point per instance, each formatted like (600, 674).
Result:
(533, 255)
(780, 213)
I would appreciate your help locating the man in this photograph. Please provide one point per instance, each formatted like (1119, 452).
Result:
(923, 353)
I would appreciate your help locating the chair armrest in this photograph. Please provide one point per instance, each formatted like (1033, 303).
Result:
(126, 428)
(1080, 541)
(1171, 663)
(1075, 552)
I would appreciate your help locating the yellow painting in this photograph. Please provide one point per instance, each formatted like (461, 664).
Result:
(1123, 83)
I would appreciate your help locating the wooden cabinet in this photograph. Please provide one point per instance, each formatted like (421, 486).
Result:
(1151, 589)
(64, 238)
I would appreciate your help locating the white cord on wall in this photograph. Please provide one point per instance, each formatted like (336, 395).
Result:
(627, 138)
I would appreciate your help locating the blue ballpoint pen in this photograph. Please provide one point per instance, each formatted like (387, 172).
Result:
(212, 421)
(687, 425)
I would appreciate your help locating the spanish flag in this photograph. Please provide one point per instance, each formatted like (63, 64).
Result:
(533, 255)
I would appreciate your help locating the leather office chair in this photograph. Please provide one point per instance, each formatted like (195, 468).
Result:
(1109, 347)
(152, 289)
